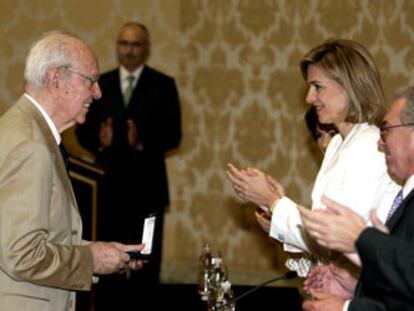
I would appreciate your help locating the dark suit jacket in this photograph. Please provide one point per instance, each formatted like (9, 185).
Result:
(155, 109)
(387, 279)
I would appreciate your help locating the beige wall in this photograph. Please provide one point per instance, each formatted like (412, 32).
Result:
(236, 64)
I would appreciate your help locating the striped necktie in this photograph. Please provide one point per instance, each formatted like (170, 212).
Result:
(397, 202)
(129, 90)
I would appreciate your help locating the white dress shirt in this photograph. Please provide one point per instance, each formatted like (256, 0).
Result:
(124, 74)
(49, 121)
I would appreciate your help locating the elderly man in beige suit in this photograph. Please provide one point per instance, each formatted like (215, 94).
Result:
(43, 258)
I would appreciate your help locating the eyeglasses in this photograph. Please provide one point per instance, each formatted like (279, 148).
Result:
(385, 128)
(132, 44)
(91, 80)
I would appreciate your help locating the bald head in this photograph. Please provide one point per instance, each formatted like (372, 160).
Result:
(138, 27)
(133, 46)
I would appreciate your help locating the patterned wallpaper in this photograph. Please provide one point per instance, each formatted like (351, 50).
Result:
(236, 64)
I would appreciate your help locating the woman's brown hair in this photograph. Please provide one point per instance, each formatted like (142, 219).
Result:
(352, 66)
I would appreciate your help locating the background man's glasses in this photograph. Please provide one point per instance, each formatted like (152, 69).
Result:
(131, 44)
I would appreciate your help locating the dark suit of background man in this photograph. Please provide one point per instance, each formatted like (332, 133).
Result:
(130, 138)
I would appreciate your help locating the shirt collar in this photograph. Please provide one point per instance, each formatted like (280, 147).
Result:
(408, 186)
(125, 73)
(48, 119)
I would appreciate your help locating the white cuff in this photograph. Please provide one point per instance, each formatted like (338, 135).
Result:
(285, 224)
(291, 249)
(346, 305)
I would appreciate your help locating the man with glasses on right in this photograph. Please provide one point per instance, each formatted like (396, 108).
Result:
(385, 252)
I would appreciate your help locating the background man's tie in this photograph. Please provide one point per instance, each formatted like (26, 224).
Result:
(129, 89)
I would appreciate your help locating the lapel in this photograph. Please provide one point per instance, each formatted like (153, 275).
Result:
(26, 106)
(139, 90)
(115, 86)
(398, 214)
(343, 144)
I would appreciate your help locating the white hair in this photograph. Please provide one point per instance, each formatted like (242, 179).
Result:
(407, 113)
(53, 50)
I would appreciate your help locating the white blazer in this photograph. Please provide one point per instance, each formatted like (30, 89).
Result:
(353, 173)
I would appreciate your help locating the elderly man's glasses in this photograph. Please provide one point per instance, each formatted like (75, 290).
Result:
(91, 80)
(384, 129)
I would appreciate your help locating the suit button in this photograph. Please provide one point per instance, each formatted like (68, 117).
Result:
(74, 232)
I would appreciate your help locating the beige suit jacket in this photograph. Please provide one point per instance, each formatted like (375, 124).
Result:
(42, 256)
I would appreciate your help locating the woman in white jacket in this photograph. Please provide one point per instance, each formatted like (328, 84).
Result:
(345, 89)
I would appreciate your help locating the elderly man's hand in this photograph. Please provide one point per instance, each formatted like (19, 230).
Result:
(112, 257)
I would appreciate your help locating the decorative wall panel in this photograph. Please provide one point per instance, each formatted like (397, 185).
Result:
(236, 64)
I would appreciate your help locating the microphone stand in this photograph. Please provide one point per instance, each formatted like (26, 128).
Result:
(286, 276)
